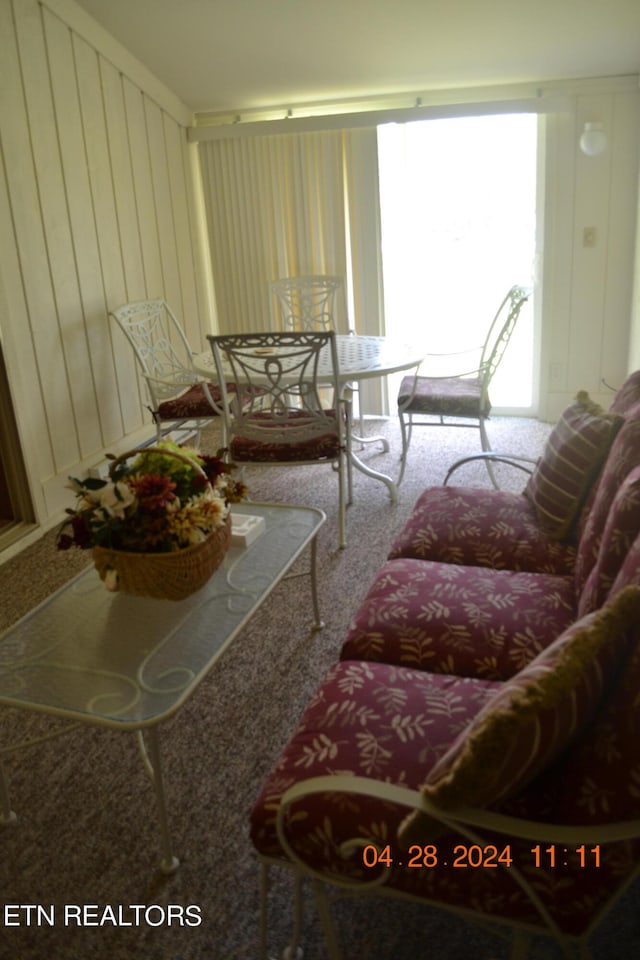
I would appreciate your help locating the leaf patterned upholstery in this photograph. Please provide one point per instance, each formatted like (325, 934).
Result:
(535, 716)
(488, 665)
(393, 724)
(448, 618)
(623, 456)
(621, 529)
(373, 720)
(479, 527)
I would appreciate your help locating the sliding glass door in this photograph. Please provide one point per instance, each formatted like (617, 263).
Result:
(458, 209)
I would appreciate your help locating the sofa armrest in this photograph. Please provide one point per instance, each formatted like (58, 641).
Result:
(463, 820)
(525, 464)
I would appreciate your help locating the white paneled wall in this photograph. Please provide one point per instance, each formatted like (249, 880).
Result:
(588, 289)
(95, 209)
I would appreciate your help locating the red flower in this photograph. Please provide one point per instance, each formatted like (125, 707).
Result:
(153, 491)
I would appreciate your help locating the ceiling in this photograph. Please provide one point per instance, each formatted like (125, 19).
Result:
(233, 55)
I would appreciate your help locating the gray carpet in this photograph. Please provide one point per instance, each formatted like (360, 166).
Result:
(86, 830)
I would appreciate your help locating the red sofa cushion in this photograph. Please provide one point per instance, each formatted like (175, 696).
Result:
(447, 618)
(369, 720)
(479, 527)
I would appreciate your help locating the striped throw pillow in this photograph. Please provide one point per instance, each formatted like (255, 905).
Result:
(572, 458)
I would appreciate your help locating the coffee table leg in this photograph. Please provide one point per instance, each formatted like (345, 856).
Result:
(151, 759)
(319, 622)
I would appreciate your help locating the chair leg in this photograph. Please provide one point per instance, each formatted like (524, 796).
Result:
(519, 945)
(344, 465)
(328, 928)
(486, 448)
(405, 435)
(264, 902)
(293, 951)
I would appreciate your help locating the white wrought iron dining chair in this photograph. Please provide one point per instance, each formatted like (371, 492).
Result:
(309, 303)
(318, 302)
(461, 399)
(179, 398)
(281, 421)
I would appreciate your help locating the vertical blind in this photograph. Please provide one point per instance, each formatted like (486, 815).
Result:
(291, 205)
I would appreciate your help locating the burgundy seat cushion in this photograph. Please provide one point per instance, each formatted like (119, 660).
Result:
(324, 446)
(478, 527)
(469, 621)
(192, 403)
(442, 396)
(369, 720)
(394, 725)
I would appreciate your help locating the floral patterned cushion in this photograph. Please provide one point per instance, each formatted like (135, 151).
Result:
(629, 572)
(447, 618)
(369, 720)
(325, 446)
(623, 457)
(484, 528)
(390, 724)
(533, 717)
(621, 529)
(572, 458)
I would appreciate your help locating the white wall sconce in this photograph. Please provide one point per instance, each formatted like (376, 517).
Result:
(593, 140)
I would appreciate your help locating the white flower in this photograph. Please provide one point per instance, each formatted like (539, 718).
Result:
(114, 498)
(111, 579)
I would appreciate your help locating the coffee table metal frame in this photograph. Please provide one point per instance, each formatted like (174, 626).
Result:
(130, 663)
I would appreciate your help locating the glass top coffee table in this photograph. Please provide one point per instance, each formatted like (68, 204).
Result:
(129, 662)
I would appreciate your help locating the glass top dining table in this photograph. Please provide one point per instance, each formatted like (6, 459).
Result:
(359, 358)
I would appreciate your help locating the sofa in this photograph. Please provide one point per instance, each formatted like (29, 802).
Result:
(474, 745)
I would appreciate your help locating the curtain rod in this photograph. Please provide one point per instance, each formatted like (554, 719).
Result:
(372, 118)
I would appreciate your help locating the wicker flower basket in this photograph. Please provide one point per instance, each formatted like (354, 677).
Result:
(165, 576)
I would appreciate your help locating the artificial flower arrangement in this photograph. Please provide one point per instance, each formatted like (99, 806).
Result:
(170, 502)
(158, 503)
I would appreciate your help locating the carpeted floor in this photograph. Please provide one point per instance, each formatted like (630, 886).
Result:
(86, 831)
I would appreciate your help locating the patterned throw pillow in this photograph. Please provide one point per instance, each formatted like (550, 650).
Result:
(533, 717)
(574, 453)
